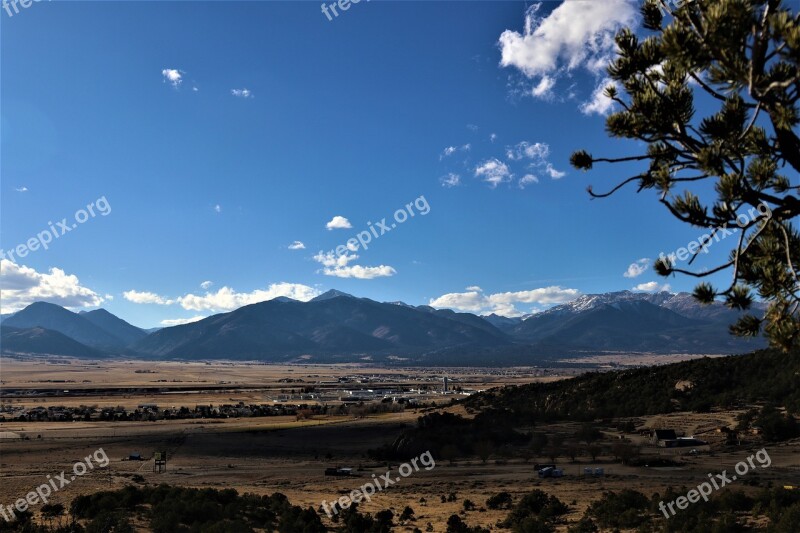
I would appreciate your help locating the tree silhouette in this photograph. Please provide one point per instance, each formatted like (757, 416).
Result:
(742, 55)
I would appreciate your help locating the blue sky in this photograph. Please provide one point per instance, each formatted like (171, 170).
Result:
(221, 133)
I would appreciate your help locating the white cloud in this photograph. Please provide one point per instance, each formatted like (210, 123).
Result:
(652, 286)
(297, 245)
(474, 288)
(575, 34)
(181, 321)
(332, 260)
(144, 297)
(361, 272)
(472, 127)
(339, 266)
(226, 299)
(450, 150)
(22, 286)
(172, 76)
(242, 93)
(494, 172)
(538, 152)
(470, 301)
(21, 189)
(527, 179)
(338, 222)
(544, 88)
(638, 268)
(553, 173)
(450, 180)
(218, 208)
(206, 285)
(493, 137)
(598, 103)
(475, 301)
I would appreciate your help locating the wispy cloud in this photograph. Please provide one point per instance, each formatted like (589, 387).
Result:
(181, 321)
(21, 189)
(242, 93)
(206, 285)
(637, 268)
(297, 245)
(450, 180)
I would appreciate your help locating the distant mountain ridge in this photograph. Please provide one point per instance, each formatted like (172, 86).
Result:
(339, 327)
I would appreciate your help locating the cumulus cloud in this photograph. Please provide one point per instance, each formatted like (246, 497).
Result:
(22, 286)
(339, 266)
(638, 268)
(297, 245)
(494, 172)
(144, 297)
(206, 285)
(242, 93)
(181, 321)
(576, 34)
(226, 299)
(652, 286)
(338, 222)
(474, 300)
(172, 76)
(450, 180)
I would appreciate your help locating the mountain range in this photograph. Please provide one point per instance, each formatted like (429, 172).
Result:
(339, 327)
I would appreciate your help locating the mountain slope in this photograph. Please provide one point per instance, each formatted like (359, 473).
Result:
(40, 341)
(114, 325)
(74, 326)
(627, 321)
(336, 325)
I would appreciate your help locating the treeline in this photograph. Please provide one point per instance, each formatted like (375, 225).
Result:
(764, 376)
(167, 509)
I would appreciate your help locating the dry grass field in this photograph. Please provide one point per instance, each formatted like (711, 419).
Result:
(282, 454)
